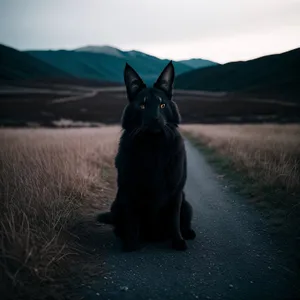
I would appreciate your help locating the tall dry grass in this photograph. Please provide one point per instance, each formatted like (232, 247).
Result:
(268, 153)
(46, 177)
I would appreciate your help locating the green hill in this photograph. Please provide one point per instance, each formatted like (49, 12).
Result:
(271, 75)
(19, 65)
(193, 63)
(96, 65)
(101, 63)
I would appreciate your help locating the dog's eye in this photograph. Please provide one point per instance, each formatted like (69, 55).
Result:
(142, 106)
(162, 105)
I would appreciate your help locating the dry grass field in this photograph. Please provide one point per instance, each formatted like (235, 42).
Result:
(52, 179)
(48, 178)
(268, 153)
(263, 162)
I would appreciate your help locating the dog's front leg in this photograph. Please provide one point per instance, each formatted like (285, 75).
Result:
(178, 242)
(153, 231)
(130, 238)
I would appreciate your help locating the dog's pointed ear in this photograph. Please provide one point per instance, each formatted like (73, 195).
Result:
(165, 80)
(133, 82)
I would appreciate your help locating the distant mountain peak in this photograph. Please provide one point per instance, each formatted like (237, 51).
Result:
(105, 49)
(193, 63)
(197, 63)
(110, 50)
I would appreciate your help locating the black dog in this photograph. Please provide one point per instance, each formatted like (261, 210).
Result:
(150, 203)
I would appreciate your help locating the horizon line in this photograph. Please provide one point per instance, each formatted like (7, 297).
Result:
(131, 50)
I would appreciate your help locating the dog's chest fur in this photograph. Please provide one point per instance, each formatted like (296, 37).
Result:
(143, 163)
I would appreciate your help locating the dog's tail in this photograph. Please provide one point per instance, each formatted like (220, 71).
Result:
(105, 218)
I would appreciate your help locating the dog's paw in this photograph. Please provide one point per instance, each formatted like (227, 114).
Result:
(118, 232)
(179, 245)
(189, 234)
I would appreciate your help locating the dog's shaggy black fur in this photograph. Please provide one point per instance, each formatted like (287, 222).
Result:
(150, 203)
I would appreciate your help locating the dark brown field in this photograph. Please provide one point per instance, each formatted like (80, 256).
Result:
(91, 104)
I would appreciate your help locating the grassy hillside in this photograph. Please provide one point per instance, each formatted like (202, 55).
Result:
(103, 66)
(273, 75)
(19, 65)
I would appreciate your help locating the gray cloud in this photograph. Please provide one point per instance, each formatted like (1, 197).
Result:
(73, 23)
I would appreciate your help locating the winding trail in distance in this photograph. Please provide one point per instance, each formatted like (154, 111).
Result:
(92, 92)
(231, 258)
(75, 93)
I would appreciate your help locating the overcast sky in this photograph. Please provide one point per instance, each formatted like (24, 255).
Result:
(220, 30)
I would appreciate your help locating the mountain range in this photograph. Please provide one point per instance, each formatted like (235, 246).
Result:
(270, 76)
(15, 64)
(102, 63)
(107, 63)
